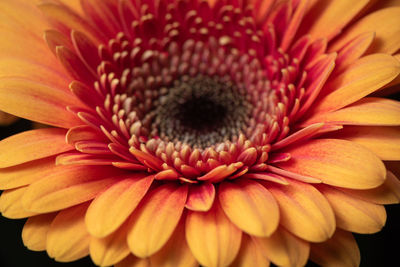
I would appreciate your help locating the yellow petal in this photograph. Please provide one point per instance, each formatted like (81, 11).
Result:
(112, 207)
(154, 221)
(386, 193)
(361, 78)
(67, 238)
(132, 261)
(67, 186)
(340, 250)
(110, 250)
(37, 102)
(304, 211)
(26, 173)
(32, 145)
(250, 206)
(250, 254)
(11, 206)
(386, 25)
(200, 197)
(367, 111)
(335, 13)
(284, 249)
(212, 238)
(175, 252)
(383, 141)
(34, 71)
(337, 162)
(34, 233)
(353, 214)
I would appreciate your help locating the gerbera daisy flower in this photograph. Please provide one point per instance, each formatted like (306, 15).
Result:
(194, 132)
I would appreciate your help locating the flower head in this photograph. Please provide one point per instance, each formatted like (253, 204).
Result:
(193, 132)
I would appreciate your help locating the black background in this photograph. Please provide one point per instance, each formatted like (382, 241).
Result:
(381, 249)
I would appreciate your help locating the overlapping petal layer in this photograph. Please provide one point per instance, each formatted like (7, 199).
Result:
(292, 166)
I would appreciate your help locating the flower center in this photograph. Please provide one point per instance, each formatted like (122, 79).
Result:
(201, 111)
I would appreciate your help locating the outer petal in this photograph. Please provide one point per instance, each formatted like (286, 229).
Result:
(385, 23)
(67, 186)
(250, 206)
(67, 239)
(337, 162)
(170, 256)
(155, 219)
(200, 197)
(132, 261)
(51, 76)
(11, 206)
(110, 250)
(112, 207)
(37, 102)
(250, 254)
(361, 78)
(304, 211)
(383, 141)
(34, 233)
(387, 193)
(26, 173)
(335, 13)
(212, 238)
(353, 50)
(284, 249)
(367, 111)
(352, 214)
(32, 145)
(340, 250)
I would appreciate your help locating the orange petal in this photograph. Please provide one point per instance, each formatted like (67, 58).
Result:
(335, 13)
(200, 197)
(250, 206)
(337, 162)
(154, 221)
(112, 207)
(304, 211)
(34, 233)
(110, 250)
(386, 193)
(21, 11)
(83, 133)
(11, 206)
(26, 173)
(383, 141)
(386, 25)
(284, 249)
(250, 254)
(37, 102)
(34, 71)
(67, 186)
(212, 238)
(361, 78)
(67, 238)
(353, 50)
(353, 214)
(367, 111)
(340, 250)
(175, 252)
(132, 261)
(64, 19)
(31, 145)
